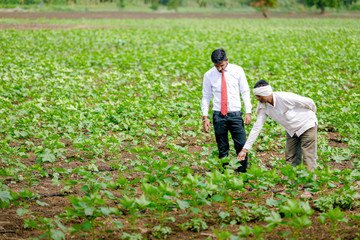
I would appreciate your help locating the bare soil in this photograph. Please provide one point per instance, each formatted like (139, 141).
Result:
(12, 225)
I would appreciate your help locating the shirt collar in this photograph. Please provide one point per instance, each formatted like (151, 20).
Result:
(274, 99)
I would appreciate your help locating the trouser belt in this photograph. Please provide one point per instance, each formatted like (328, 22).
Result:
(229, 114)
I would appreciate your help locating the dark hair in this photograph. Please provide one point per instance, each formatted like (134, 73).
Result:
(261, 83)
(218, 56)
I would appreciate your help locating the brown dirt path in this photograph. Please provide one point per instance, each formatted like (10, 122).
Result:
(142, 15)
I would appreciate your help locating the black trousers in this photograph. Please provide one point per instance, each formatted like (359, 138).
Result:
(234, 123)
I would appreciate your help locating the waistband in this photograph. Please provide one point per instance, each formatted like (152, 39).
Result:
(229, 114)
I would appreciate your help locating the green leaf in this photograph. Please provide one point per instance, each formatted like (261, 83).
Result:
(42, 203)
(85, 188)
(142, 202)
(105, 210)
(335, 215)
(217, 198)
(244, 231)
(302, 221)
(57, 235)
(5, 196)
(30, 223)
(89, 211)
(183, 204)
(274, 219)
(224, 215)
(272, 202)
(118, 224)
(322, 219)
(47, 156)
(86, 225)
(21, 211)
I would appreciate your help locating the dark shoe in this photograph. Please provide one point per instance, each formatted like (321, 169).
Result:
(240, 170)
(225, 165)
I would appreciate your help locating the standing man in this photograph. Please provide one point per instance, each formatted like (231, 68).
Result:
(224, 83)
(297, 115)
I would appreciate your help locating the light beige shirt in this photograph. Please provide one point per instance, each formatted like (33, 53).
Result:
(294, 112)
(236, 83)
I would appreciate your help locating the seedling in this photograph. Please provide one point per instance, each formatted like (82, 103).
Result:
(334, 217)
(48, 226)
(89, 209)
(133, 206)
(251, 233)
(296, 217)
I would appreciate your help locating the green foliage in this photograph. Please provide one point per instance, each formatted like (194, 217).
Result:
(88, 209)
(161, 232)
(133, 206)
(264, 5)
(134, 236)
(173, 4)
(195, 224)
(334, 217)
(127, 97)
(6, 196)
(120, 3)
(48, 226)
(222, 235)
(344, 198)
(322, 4)
(20, 2)
(256, 232)
(296, 217)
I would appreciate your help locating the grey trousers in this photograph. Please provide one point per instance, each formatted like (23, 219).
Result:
(304, 146)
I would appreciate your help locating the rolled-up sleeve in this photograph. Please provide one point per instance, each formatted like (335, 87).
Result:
(254, 133)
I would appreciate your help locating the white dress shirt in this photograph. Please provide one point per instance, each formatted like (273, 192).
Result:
(236, 83)
(295, 113)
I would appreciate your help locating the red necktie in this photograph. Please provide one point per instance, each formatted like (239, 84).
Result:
(224, 107)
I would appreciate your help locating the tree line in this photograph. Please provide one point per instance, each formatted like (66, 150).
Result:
(263, 5)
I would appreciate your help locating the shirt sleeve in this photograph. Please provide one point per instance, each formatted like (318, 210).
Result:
(254, 133)
(206, 96)
(245, 91)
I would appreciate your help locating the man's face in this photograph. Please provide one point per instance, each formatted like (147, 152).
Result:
(261, 99)
(221, 66)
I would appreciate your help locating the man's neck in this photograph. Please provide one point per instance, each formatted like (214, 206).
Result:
(271, 99)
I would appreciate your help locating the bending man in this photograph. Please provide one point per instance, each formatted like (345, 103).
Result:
(296, 114)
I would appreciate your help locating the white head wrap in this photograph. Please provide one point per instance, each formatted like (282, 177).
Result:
(263, 91)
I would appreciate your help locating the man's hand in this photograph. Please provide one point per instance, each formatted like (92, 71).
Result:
(247, 120)
(206, 125)
(241, 156)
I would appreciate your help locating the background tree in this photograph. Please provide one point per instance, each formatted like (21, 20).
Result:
(264, 6)
(348, 3)
(120, 3)
(154, 4)
(321, 4)
(173, 4)
(202, 3)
